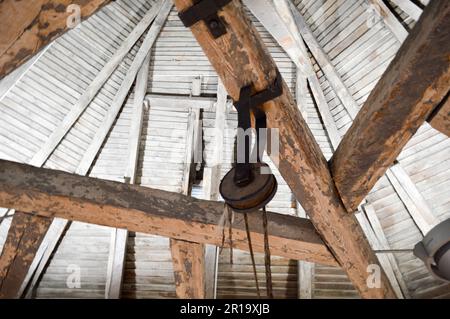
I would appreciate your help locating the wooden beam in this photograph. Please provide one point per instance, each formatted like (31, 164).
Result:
(181, 102)
(305, 269)
(409, 7)
(119, 237)
(211, 178)
(240, 58)
(440, 118)
(28, 26)
(382, 243)
(140, 209)
(385, 261)
(291, 16)
(287, 36)
(189, 268)
(416, 205)
(414, 83)
(389, 19)
(24, 237)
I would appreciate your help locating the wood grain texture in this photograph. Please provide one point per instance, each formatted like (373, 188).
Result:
(189, 269)
(414, 84)
(140, 209)
(240, 58)
(30, 25)
(24, 237)
(440, 118)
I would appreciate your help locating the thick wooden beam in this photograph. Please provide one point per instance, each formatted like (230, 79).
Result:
(414, 83)
(189, 269)
(140, 209)
(240, 58)
(24, 237)
(27, 26)
(440, 118)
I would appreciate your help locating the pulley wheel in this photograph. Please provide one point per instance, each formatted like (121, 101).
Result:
(250, 197)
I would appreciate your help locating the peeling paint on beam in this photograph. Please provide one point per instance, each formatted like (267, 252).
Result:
(415, 82)
(140, 209)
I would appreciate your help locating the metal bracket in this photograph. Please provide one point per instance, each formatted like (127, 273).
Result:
(206, 10)
(246, 103)
(253, 101)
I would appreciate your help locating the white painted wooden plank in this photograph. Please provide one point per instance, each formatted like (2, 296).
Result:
(57, 135)
(147, 44)
(389, 19)
(409, 7)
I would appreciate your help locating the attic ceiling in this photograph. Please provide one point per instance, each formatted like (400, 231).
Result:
(182, 89)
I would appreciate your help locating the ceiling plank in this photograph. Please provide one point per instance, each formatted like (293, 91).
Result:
(91, 91)
(396, 108)
(31, 25)
(119, 237)
(240, 58)
(396, 27)
(24, 237)
(59, 194)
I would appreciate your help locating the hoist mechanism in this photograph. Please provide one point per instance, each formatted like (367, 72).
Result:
(250, 184)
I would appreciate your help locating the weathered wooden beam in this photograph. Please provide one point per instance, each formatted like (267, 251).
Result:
(140, 209)
(189, 268)
(440, 118)
(27, 26)
(24, 237)
(240, 58)
(414, 83)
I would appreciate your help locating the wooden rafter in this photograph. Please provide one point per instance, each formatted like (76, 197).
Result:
(59, 194)
(31, 25)
(396, 108)
(50, 241)
(24, 237)
(240, 58)
(440, 118)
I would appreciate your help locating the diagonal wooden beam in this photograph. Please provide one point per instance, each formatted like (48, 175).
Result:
(28, 26)
(24, 237)
(440, 118)
(414, 83)
(59, 194)
(240, 58)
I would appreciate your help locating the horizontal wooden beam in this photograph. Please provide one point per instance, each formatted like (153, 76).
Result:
(58, 194)
(415, 82)
(28, 26)
(24, 237)
(241, 58)
(440, 118)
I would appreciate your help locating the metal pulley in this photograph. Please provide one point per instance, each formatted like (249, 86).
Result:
(250, 186)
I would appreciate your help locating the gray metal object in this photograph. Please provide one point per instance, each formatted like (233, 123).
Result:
(434, 251)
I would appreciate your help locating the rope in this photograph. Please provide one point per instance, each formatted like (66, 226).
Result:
(252, 255)
(267, 256)
(230, 233)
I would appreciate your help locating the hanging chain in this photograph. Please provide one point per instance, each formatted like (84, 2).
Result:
(252, 255)
(267, 256)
